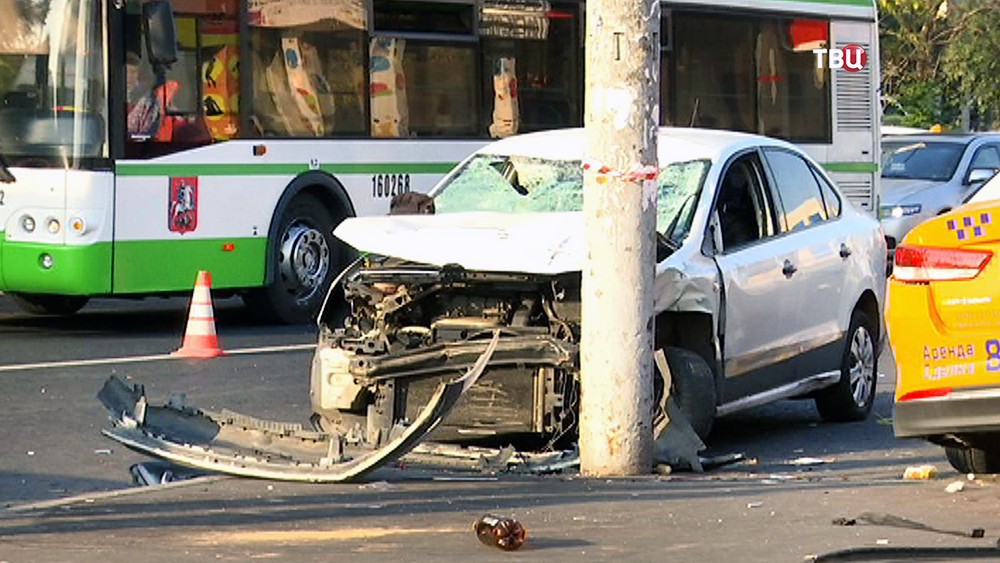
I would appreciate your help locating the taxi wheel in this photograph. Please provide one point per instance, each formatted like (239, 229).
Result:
(851, 398)
(692, 388)
(973, 460)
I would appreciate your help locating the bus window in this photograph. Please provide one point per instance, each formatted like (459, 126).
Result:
(440, 89)
(163, 110)
(423, 69)
(540, 42)
(792, 94)
(755, 74)
(308, 68)
(714, 72)
(220, 79)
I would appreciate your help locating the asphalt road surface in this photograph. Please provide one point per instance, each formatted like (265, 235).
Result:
(66, 494)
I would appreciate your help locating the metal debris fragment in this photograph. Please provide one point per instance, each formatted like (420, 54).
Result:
(884, 519)
(159, 473)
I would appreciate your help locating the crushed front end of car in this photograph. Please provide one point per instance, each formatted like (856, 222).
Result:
(410, 326)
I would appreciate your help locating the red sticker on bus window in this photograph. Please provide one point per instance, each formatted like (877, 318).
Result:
(182, 212)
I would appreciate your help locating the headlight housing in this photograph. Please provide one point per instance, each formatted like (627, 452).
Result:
(897, 211)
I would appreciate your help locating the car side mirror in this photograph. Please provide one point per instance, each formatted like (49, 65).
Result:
(712, 243)
(161, 32)
(980, 175)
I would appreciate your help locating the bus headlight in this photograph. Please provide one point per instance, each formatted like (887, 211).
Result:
(28, 223)
(47, 261)
(53, 225)
(77, 225)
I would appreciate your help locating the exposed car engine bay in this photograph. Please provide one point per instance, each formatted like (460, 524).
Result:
(408, 326)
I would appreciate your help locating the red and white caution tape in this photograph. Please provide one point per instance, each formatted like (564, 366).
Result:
(638, 173)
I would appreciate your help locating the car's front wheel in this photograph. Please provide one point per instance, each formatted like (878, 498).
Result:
(966, 459)
(692, 387)
(851, 398)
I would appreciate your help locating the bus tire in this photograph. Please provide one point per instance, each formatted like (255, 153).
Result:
(306, 259)
(44, 304)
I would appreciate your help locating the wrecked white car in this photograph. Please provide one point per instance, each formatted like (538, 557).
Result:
(769, 285)
(466, 322)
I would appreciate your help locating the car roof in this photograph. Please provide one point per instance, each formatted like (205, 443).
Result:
(676, 142)
(958, 138)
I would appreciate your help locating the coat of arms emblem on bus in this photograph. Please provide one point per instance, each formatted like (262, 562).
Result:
(182, 213)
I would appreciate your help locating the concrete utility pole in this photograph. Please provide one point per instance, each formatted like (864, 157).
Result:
(619, 208)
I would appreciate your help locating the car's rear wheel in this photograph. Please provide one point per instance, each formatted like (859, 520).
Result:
(851, 398)
(41, 304)
(967, 459)
(692, 388)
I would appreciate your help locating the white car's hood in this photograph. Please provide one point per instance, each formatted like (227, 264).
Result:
(898, 190)
(535, 243)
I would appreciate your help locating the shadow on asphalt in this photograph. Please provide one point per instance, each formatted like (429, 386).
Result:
(250, 505)
(56, 485)
(108, 316)
(792, 429)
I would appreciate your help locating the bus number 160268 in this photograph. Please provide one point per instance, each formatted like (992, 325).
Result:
(390, 185)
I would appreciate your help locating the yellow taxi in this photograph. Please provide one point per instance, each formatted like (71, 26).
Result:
(943, 318)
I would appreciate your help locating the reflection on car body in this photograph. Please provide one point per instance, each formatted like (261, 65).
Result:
(944, 307)
(768, 285)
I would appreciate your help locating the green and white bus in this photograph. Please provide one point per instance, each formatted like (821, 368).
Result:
(142, 141)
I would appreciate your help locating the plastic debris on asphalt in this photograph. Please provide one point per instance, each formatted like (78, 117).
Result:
(377, 486)
(810, 461)
(955, 487)
(160, 472)
(920, 472)
(499, 531)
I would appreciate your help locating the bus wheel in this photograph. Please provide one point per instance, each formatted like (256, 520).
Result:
(43, 304)
(306, 258)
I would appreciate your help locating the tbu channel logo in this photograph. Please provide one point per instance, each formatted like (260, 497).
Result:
(851, 58)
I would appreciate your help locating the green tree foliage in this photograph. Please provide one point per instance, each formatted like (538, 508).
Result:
(939, 56)
(972, 61)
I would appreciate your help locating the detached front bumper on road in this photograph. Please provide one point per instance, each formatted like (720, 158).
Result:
(236, 444)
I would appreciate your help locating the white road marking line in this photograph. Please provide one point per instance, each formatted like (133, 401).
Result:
(18, 509)
(154, 358)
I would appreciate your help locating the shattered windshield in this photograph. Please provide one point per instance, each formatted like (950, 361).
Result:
(53, 96)
(521, 184)
(921, 161)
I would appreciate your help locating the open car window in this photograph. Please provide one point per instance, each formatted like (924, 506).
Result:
(744, 205)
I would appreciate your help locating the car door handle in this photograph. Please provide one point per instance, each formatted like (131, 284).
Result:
(845, 251)
(789, 269)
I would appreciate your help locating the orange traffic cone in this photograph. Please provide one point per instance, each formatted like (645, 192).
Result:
(200, 340)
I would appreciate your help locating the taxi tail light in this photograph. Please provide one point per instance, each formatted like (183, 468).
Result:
(925, 394)
(926, 264)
